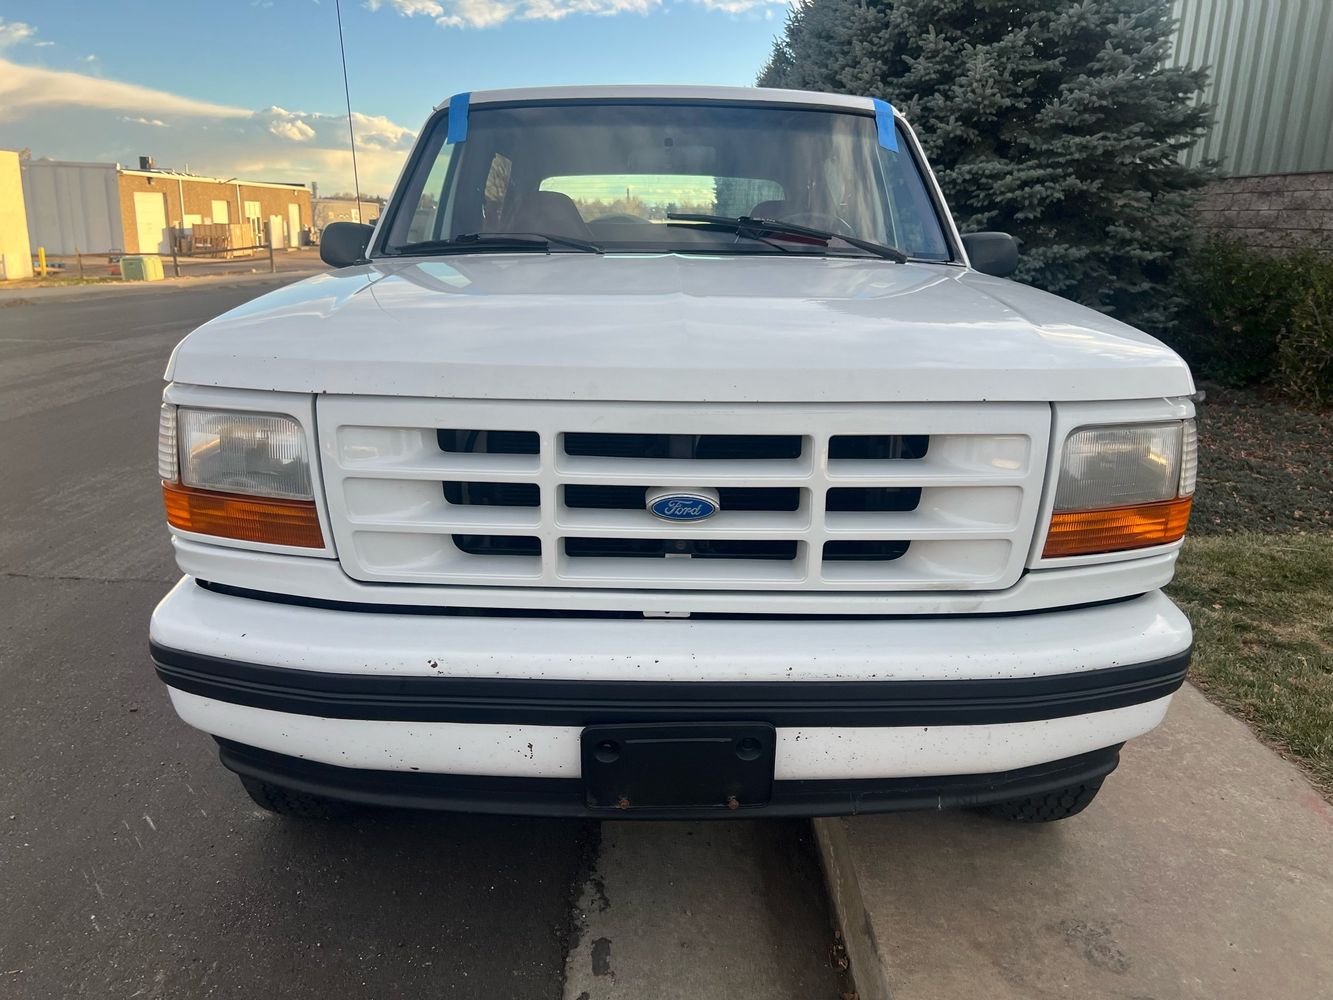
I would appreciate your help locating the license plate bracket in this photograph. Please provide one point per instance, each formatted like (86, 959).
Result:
(678, 764)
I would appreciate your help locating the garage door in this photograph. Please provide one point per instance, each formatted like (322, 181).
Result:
(150, 221)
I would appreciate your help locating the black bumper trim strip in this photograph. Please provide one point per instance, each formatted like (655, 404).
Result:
(545, 702)
(564, 797)
(468, 611)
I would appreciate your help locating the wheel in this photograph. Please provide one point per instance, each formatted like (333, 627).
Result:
(1047, 807)
(289, 802)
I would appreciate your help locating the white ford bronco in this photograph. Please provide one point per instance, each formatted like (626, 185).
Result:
(668, 452)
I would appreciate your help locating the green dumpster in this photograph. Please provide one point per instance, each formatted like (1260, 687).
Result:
(141, 267)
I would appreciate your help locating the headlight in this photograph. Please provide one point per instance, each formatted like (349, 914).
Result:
(243, 453)
(1123, 487)
(237, 475)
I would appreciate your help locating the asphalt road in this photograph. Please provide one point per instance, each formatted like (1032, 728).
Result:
(131, 863)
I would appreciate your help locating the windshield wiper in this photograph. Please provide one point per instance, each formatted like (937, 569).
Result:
(755, 228)
(496, 241)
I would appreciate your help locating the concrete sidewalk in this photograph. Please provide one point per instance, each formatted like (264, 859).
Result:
(1204, 869)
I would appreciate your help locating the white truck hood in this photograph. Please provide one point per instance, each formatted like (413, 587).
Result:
(675, 328)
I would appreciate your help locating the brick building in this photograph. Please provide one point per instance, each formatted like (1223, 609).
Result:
(1270, 80)
(96, 207)
(1273, 211)
(346, 210)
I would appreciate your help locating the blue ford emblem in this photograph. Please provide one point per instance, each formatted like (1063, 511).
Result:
(678, 506)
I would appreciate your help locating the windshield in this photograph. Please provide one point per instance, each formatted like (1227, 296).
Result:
(613, 175)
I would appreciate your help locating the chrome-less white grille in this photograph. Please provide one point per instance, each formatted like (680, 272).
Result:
(813, 497)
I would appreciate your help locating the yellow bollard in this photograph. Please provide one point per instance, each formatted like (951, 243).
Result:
(41, 262)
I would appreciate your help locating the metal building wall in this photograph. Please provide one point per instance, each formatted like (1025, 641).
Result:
(72, 206)
(1271, 81)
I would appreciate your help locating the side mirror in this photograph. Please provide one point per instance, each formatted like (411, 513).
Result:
(992, 253)
(344, 243)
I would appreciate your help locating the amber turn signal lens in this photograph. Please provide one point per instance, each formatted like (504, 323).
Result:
(1114, 529)
(246, 518)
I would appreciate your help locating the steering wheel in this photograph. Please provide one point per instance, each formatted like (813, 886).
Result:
(820, 220)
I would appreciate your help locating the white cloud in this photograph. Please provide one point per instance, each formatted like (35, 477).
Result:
(376, 131)
(410, 8)
(489, 13)
(555, 10)
(287, 125)
(295, 131)
(75, 116)
(16, 33)
(24, 89)
(743, 6)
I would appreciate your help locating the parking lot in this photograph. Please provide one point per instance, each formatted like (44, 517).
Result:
(131, 863)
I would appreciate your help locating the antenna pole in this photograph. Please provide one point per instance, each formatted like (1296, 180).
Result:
(356, 180)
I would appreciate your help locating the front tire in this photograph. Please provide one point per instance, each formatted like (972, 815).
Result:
(289, 802)
(1047, 807)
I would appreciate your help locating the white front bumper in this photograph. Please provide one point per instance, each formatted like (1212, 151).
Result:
(194, 620)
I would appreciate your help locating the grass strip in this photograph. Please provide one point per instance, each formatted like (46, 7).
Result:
(1262, 610)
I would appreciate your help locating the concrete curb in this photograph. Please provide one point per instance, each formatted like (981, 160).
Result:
(849, 912)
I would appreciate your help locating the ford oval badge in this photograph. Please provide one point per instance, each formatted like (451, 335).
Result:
(678, 505)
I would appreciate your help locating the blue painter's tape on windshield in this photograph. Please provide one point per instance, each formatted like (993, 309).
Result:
(888, 134)
(457, 118)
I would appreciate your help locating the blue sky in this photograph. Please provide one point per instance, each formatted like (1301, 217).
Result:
(255, 88)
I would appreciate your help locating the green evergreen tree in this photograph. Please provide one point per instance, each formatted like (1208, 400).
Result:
(1055, 120)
